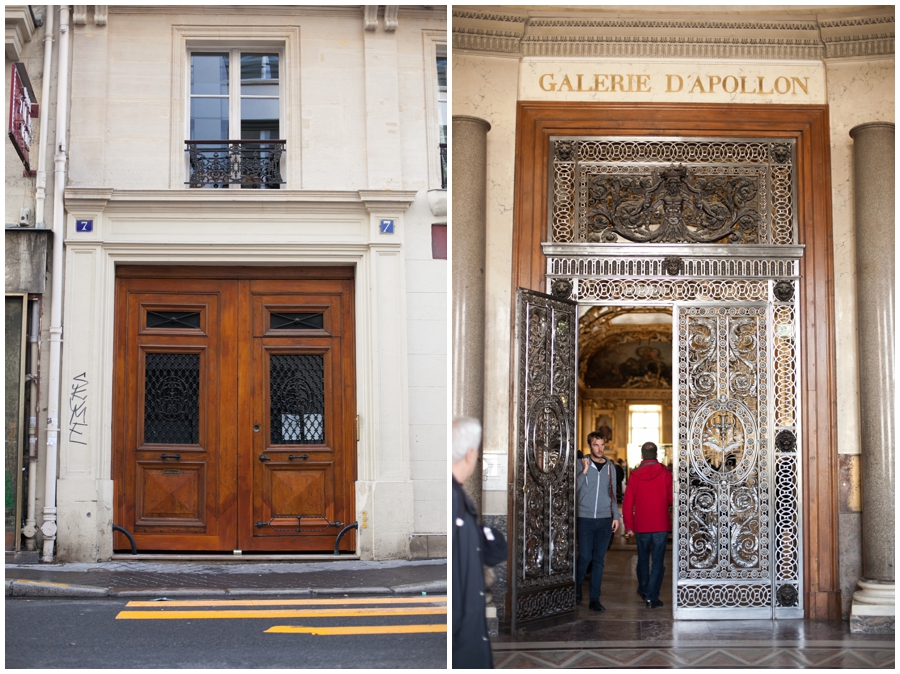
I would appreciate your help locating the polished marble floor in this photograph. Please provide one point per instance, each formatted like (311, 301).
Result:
(630, 635)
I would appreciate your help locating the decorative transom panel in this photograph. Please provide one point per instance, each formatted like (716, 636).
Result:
(628, 190)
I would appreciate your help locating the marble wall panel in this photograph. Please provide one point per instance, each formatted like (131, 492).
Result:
(486, 87)
(858, 92)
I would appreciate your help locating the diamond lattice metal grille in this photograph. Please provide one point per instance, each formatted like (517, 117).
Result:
(297, 399)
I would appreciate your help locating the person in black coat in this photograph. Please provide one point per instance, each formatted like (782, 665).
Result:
(473, 545)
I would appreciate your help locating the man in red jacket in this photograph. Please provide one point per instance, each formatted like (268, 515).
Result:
(648, 498)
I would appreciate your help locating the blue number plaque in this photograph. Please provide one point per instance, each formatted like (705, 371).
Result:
(84, 225)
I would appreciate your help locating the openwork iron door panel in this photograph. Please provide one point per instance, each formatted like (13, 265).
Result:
(726, 464)
(172, 398)
(543, 524)
(697, 191)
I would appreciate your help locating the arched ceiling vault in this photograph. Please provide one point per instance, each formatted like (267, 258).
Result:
(596, 333)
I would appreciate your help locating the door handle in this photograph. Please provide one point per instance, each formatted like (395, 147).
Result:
(291, 457)
(170, 456)
(263, 457)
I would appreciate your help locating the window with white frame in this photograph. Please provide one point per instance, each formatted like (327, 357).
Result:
(644, 425)
(234, 135)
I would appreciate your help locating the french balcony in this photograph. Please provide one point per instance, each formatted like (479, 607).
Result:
(251, 164)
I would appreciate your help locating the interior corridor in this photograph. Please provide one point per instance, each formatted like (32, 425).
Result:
(629, 634)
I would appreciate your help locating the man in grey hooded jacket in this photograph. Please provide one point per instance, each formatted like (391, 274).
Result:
(597, 517)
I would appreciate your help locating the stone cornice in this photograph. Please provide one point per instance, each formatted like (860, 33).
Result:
(100, 199)
(19, 30)
(608, 32)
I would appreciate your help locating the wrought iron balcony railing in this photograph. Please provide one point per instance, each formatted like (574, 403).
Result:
(443, 147)
(248, 163)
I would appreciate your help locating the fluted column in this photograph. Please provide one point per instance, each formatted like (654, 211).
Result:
(873, 160)
(469, 176)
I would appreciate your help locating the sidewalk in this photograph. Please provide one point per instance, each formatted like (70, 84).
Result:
(226, 579)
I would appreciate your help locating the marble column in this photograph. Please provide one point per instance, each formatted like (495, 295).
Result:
(873, 193)
(469, 194)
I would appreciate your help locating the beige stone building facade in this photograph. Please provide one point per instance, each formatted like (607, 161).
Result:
(263, 311)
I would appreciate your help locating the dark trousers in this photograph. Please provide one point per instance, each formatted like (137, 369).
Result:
(651, 549)
(593, 539)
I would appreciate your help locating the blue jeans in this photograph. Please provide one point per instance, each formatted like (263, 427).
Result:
(650, 573)
(593, 539)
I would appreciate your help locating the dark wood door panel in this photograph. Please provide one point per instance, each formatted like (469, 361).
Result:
(171, 397)
(170, 497)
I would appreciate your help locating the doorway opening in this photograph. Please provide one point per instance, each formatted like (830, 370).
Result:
(625, 393)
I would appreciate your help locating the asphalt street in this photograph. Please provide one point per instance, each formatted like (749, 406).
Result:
(340, 632)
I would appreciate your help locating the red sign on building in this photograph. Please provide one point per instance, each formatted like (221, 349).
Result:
(22, 107)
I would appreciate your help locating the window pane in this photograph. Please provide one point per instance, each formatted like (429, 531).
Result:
(259, 118)
(209, 74)
(259, 74)
(209, 118)
(442, 71)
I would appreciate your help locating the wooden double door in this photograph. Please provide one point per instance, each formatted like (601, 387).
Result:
(235, 421)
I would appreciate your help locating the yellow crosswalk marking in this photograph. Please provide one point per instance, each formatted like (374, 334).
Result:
(42, 582)
(358, 629)
(283, 613)
(288, 602)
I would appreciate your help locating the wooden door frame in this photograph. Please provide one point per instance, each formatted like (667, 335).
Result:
(809, 126)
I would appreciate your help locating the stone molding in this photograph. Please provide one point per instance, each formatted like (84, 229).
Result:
(99, 199)
(80, 14)
(818, 37)
(19, 30)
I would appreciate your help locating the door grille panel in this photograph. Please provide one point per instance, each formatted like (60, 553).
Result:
(172, 398)
(297, 399)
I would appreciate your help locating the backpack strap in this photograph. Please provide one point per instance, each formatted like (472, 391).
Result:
(612, 494)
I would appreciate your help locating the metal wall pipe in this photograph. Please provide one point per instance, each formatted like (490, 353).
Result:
(41, 194)
(34, 374)
(49, 527)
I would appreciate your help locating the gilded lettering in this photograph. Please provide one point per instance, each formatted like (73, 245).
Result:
(762, 86)
(787, 85)
(669, 81)
(698, 84)
(566, 83)
(617, 81)
(579, 83)
(551, 86)
(598, 79)
(803, 85)
(643, 81)
(713, 81)
(734, 84)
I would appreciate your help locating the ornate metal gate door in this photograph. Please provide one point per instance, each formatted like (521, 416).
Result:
(542, 497)
(706, 227)
(736, 525)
